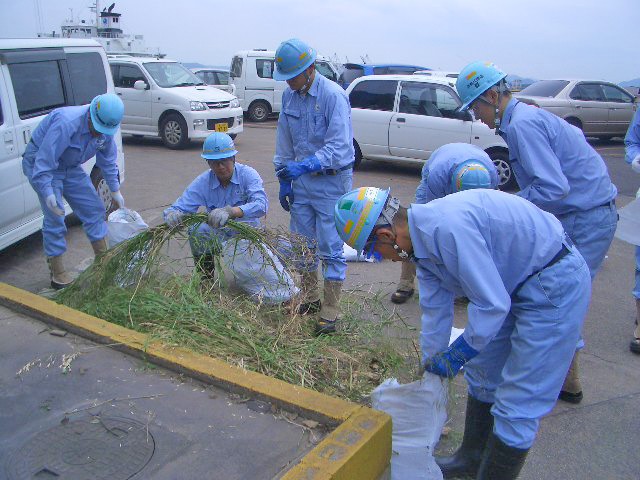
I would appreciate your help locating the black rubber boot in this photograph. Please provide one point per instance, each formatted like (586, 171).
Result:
(478, 425)
(206, 265)
(500, 461)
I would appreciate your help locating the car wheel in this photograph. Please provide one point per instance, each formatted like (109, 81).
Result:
(173, 132)
(507, 181)
(575, 122)
(259, 111)
(102, 187)
(358, 155)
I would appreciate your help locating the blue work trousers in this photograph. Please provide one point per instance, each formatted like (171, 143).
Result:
(315, 197)
(636, 288)
(521, 371)
(75, 186)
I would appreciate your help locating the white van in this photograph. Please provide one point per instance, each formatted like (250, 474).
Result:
(251, 73)
(163, 97)
(36, 77)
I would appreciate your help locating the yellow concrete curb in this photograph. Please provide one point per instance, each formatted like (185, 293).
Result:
(358, 449)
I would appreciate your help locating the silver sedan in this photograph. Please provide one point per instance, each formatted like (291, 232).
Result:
(599, 109)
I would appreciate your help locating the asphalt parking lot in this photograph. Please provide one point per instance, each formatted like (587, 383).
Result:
(597, 439)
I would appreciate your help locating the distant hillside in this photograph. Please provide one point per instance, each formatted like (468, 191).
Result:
(200, 65)
(519, 82)
(630, 83)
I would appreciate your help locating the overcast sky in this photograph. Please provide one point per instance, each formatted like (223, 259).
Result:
(538, 39)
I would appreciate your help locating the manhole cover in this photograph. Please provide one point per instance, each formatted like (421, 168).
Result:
(97, 448)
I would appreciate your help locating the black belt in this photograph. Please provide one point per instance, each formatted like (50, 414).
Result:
(333, 171)
(610, 203)
(564, 251)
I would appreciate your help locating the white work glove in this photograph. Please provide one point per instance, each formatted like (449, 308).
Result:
(52, 204)
(118, 198)
(635, 164)
(174, 217)
(220, 216)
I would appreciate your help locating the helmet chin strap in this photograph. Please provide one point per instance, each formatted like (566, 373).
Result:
(497, 120)
(307, 85)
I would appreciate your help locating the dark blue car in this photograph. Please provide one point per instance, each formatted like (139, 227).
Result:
(355, 70)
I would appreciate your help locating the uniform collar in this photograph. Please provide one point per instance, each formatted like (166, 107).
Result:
(313, 90)
(419, 248)
(508, 113)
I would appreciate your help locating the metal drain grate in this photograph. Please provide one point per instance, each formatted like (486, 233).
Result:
(98, 448)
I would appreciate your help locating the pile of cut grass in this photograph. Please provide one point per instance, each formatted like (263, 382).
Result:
(190, 312)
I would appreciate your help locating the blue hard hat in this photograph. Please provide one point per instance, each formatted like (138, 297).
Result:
(470, 174)
(475, 79)
(357, 212)
(218, 146)
(292, 58)
(106, 112)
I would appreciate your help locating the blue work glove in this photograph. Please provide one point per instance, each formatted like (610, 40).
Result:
(447, 364)
(286, 194)
(292, 170)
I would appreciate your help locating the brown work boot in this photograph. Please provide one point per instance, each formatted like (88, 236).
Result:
(310, 294)
(330, 312)
(59, 276)
(99, 246)
(634, 346)
(571, 389)
(405, 286)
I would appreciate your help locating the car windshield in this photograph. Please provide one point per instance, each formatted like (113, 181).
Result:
(171, 74)
(223, 78)
(545, 88)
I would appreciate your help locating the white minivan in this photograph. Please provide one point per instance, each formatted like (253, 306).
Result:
(36, 77)
(251, 74)
(163, 97)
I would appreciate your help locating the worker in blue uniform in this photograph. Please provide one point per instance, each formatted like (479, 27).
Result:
(52, 162)
(451, 168)
(528, 289)
(554, 166)
(632, 157)
(228, 190)
(314, 164)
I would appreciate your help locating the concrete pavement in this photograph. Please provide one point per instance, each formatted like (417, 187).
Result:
(597, 439)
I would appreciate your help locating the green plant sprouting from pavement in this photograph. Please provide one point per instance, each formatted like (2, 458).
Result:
(192, 312)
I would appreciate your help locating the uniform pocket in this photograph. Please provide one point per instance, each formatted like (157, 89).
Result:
(320, 126)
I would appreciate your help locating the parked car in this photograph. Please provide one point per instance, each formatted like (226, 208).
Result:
(163, 98)
(36, 77)
(260, 95)
(356, 70)
(215, 77)
(599, 109)
(407, 117)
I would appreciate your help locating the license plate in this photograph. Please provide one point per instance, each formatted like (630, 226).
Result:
(222, 127)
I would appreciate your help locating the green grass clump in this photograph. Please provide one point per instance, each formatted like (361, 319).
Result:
(191, 312)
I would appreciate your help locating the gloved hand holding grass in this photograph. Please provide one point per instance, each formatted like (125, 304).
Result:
(447, 364)
(218, 217)
(174, 217)
(286, 194)
(292, 170)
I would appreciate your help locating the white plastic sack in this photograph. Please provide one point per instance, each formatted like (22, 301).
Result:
(418, 411)
(628, 228)
(351, 255)
(455, 333)
(124, 224)
(265, 280)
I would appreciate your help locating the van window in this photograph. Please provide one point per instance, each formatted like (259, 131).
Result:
(87, 76)
(236, 67)
(38, 87)
(350, 74)
(374, 95)
(264, 68)
(326, 71)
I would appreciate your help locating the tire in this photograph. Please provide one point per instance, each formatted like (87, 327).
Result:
(574, 121)
(259, 111)
(358, 155)
(174, 132)
(101, 186)
(507, 181)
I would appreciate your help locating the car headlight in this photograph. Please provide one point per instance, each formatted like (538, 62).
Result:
(198, 106)
(235, 103)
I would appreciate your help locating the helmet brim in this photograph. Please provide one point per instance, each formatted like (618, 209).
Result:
(219, 156)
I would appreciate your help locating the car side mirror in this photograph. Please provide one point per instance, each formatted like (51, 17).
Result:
(140, 85)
